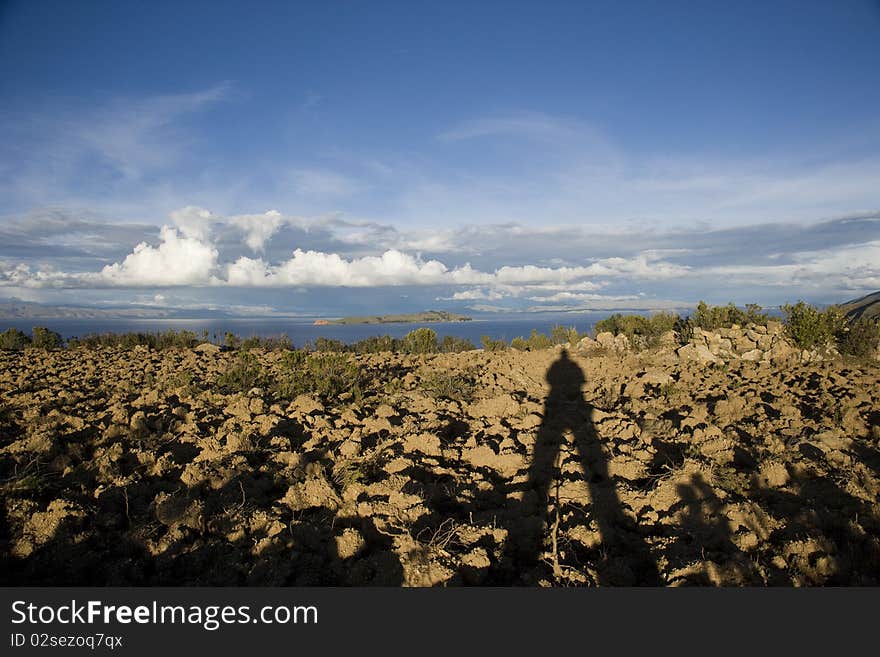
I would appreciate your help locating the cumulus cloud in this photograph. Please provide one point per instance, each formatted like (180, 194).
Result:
(258, 228)
(194, 222)
(588, 269)
(177, 260)
(314, 268)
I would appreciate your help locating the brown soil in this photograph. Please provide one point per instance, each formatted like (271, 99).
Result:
(131, 468)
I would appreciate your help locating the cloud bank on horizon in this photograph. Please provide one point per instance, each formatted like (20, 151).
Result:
(559, 169)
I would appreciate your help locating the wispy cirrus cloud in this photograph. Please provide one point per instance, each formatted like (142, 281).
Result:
(69, 154)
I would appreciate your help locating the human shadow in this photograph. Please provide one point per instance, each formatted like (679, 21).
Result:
(621, 545)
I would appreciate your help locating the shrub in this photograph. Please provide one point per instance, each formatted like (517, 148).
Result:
(536, 340)
(448, 384)
(860, 339)
(809, 327)
(377, 344)
(231, 340)
(242, 374)
(564, 335)
(46, 339)
(176, 340)
(14, 339)
(715, 317)
(519, 343)
(420, 341)
(638, 328)
(617, 324)
(328, 345)
(328, 375)
(452, 345)
(252, 342)
(489, 344)
(272, 343)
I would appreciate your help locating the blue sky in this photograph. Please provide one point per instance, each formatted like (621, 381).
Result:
(337, 156)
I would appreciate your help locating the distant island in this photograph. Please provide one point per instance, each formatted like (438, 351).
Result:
(408, 318)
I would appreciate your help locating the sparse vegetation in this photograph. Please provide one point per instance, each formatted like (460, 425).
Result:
(327, 345)
(716, 317)
(452, 345)
(327, 375)
(809, 327)
(490, 344)
(860, 339)
(448, 384)
(420, 341)
(639, 329)
(13, 340)
(43, 338)
(242, 374)
(163, 340)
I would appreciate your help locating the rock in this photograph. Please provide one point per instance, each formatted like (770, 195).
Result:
(754, 355)
(781, 352)
(774, 473)
(605, 340)
(697, 353)
(586, 344)
(655, 377)
(138, 424)
(349, 543)
(501, 406)
(743, 344)
(425, 443)
(621, 343)
(305, 405)
(208, 349)
(384, 410)
(314, 492)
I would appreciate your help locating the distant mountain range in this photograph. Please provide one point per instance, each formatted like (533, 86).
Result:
(867, 306)
(25, 310)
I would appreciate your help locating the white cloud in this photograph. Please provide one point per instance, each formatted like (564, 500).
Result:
(258, 228)
(314, 268)
(855, 267)
(194, 222)
(178, 260)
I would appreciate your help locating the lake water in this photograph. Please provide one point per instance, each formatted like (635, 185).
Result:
(301, 331)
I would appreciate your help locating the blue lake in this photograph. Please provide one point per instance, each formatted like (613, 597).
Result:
(301, 331)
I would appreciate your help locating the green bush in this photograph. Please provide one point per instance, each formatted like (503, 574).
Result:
(809, 327)
(564, 335)
(860, 339)
(377, 344)
(448, 384)
(13, 339)
(327, 375)
(328, 345)
(452, 345)
(639, 329)
(164, 340)
(46, 339)
(242, 374)
(519, 343)
(489, 344)
(534, 342)
(279, 343)
(176, 340)
(716, 317)
(420, 341)
(231, 340)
